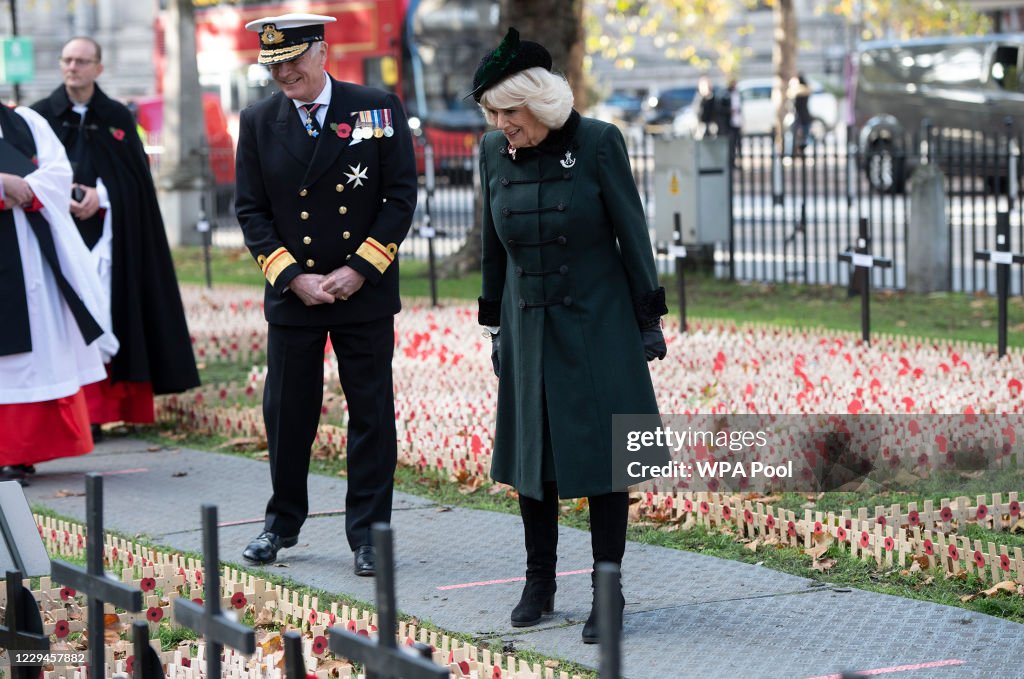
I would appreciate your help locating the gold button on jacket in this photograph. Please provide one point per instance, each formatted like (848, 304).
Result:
(342, 210)
(339, 188)
(304, 215)
(310, 263)
(307, 240)
(303, 193)
(346, 235)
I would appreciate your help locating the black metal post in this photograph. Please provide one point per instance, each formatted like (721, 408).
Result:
(22, 630)
(863, 262)
(1002, 276)
(428, 225)
(294, 665)
(147, 662)
(384, 659)
(680, 278)
(208, 620)
(1002, 258)
(93, 581)
(609, 631)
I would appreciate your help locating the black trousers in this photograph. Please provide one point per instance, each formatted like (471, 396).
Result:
(609, 514)
(291, 409)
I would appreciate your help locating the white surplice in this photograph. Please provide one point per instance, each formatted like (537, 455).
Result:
(60, 362)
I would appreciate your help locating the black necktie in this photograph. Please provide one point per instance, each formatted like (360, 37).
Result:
(311, 124)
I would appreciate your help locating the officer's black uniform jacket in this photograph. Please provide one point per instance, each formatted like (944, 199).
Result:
(313, 205)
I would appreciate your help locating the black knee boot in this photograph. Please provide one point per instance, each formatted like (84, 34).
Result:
(608, 516)
(540, 526)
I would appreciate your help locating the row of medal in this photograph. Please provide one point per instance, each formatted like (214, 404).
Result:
(373, 124)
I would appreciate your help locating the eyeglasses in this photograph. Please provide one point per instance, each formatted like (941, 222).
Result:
(69, 61)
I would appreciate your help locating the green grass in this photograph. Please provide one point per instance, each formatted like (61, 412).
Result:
(942, 316)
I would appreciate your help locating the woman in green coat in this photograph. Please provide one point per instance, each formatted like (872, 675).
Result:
(571, 298)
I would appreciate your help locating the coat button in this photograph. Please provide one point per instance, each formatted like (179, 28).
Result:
(307, 240)
(511, 243)
(519, 271)
(561, 207)
(303, 193)
(346, 235)
(504, 181)
(310, 263)
(522, 304)
(348, 257)
(567, 301)
(339, 188)
(342, 210)
(562, 240)
(303, 215)
(564, 269)
(505, 212)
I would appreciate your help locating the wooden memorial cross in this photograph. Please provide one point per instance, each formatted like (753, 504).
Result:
(609, 633)
(863, 262)
(93, 581)
(384, 659)
(1002, 258)
(22, 630)
(209, 621)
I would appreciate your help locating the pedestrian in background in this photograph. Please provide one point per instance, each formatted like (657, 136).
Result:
(114, 205)
(51, 301)
(572, 303)
(800, 95)
(735, 120)
(326, 189)
(706, 108)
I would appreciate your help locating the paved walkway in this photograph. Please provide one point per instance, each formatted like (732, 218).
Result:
(687, 615)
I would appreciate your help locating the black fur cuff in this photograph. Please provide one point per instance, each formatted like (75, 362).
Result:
(489, 312)
(649, 308)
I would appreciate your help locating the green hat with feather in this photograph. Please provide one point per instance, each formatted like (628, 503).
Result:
(511, 56)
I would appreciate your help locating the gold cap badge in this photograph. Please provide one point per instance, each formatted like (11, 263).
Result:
(271, 36)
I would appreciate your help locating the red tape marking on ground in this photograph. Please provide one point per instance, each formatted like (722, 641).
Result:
(507, 580)
(898, 668)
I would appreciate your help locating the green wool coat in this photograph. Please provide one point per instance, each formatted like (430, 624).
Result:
(569, 274)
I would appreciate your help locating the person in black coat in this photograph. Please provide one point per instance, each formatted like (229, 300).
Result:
(326, 189)
(115, 208)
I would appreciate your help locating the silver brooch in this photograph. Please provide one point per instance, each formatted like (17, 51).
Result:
(568, 161)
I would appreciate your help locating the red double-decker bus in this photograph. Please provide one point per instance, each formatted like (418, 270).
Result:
(423, 50)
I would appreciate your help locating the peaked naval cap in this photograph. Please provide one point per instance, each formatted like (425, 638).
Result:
(511, 56)
(287, 37)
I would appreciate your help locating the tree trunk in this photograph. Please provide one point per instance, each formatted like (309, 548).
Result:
(559, 27)
(784, 60)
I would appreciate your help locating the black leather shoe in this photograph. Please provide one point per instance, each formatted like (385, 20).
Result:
(365, 561)
(264, 548)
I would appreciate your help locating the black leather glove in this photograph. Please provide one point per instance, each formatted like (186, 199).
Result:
(654, 343)
(495, 349)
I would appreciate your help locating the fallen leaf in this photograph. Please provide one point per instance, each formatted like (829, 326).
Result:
(264, 617)
(817, 551)
(496, 489)
(443, 508)
(967, 597)
(271, 643)
(178, 475)
(753, 545)
(1004, 587)
(551, 663)
(823, 565)
(921, 561)
(245, 443)
(68, 493)
(1018, 527)
(154, 449)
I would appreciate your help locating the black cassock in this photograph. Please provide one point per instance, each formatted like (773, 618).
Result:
(147, 313)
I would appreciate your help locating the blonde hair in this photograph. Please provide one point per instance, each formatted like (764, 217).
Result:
(545, 94)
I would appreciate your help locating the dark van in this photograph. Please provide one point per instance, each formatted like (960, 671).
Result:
(969, 86)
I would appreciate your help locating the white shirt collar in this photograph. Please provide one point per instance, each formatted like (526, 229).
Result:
(324, 98)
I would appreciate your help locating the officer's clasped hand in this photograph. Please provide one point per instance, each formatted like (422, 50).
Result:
(654, 343)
